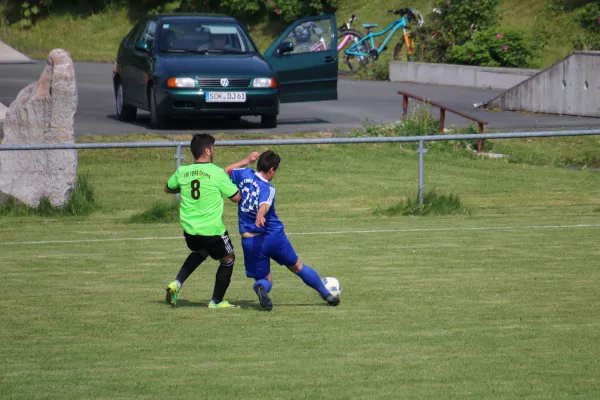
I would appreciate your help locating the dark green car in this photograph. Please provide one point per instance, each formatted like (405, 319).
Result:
(183, 65)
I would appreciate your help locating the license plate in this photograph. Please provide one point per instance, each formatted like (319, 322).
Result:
(225, 97)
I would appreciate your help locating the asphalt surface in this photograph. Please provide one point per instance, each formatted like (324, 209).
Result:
(359, 102)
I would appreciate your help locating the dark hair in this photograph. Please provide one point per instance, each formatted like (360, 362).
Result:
(199, 142)
(267, 160)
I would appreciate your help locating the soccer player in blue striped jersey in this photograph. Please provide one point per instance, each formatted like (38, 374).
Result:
(263, 235)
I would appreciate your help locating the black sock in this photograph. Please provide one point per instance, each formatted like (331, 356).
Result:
(189, 266)
(222, 281)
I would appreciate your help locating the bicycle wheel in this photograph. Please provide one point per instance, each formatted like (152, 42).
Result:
(424, 47)
(399, 51)
(350, 63)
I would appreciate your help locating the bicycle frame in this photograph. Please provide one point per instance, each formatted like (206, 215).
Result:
(320, 46)
(343, 43)
(394, 26)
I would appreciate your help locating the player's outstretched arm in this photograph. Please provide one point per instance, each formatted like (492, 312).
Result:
(242, 163)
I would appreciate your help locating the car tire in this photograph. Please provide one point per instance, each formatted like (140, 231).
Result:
(125, 112)
(157, 120)
(268, 121)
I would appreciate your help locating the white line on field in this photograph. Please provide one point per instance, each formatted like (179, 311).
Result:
(481, 228)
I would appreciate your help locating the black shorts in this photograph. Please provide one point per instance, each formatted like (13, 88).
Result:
(217, 247)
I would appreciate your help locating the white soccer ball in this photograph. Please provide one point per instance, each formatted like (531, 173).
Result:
(333, 285)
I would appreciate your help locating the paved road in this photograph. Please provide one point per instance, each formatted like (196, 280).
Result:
(358, 102)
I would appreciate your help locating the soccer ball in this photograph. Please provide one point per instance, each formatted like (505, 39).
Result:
(333, 285)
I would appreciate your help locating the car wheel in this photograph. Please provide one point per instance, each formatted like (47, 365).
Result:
(268, 121)
(125, 112)
(157, 120)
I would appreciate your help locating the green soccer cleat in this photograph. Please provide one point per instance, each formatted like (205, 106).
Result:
(172, 293)
(223, 304)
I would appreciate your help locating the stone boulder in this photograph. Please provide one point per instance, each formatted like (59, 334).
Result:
(42, 113)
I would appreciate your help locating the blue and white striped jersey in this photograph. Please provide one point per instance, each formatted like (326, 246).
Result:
(255, 191)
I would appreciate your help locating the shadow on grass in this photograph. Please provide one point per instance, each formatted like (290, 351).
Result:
(215, 123)
(243, 304)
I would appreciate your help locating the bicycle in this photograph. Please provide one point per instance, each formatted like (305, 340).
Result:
(348, 35)
(366, 50)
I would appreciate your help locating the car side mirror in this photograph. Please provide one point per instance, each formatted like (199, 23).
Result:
(141, 45)
(285, 47)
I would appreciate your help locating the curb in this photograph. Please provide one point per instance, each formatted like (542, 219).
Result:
(8, 55)
(459, 75)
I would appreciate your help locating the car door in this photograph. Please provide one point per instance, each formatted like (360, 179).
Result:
(141, 63)
(124, 61)
(309, 72)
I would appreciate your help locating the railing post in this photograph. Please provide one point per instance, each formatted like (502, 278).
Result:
(480, 141)
(422, 150)
(404, 106)
(178, 157)
(442, 119)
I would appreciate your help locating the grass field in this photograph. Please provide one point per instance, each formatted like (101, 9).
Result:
(501, 303)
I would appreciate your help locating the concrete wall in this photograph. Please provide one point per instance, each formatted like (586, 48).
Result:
(570, 86)
(459, 75)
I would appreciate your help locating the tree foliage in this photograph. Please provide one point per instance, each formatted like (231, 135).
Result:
(27, 13)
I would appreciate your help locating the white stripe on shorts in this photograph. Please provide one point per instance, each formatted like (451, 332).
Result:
(227, 242)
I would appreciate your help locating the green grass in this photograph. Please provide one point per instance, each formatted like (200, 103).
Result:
(159, 212)
(87, 37)
(96, 37)
(81, 202)
(452, 306)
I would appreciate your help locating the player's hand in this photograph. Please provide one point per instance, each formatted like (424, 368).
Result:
(253, 156)
(260, 221)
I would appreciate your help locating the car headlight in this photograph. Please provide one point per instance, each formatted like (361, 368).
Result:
(264, 83)
(181, 83)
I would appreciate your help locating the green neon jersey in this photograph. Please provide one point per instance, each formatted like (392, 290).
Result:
(202, 188)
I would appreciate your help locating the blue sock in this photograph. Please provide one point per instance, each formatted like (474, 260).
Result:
(266, 284)
(312, 279)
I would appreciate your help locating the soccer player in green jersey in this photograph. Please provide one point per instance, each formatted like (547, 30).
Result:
(202, 186)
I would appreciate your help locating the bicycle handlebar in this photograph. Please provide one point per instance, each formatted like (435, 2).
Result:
(411, 14)
(346, 25)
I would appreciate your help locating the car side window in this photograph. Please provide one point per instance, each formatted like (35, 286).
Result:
(133, 33)
(145, 33)
(312, 36)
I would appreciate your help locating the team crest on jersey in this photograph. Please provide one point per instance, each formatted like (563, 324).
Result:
(250, 192)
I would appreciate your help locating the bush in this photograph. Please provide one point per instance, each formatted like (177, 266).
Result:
(588, 18)
(433, 203)
(458, 19)
(495, 47)
(421, 123)
(378, 71)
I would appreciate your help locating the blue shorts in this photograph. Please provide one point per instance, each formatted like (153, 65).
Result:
(258, 250)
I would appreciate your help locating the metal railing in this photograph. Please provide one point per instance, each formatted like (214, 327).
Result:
(443, 109)
(421, 150)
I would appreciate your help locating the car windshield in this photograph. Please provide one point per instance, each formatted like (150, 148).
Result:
(203, 37)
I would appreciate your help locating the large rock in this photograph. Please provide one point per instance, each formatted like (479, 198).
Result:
(42, 113)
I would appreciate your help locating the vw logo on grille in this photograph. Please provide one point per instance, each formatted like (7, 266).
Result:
(224, 82)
